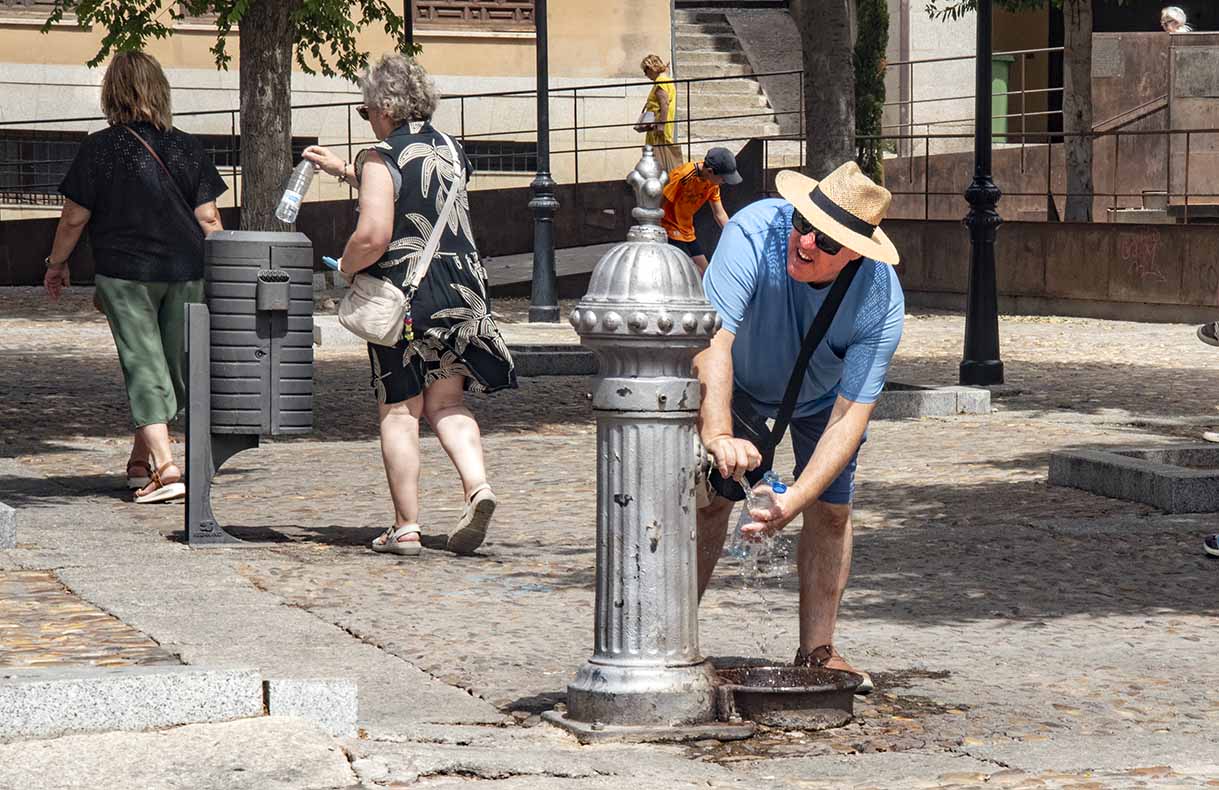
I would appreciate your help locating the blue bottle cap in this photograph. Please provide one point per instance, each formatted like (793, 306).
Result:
(778, 488)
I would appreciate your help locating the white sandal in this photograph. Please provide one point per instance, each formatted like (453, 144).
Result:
(472, 528)
(398, 540)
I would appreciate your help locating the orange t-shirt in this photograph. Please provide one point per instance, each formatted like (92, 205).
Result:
(684, 195)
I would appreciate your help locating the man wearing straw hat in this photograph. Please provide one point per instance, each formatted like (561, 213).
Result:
(775, 266)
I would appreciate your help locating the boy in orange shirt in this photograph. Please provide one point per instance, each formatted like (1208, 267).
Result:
(689, 187)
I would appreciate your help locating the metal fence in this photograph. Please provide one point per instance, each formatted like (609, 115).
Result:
(592, 135)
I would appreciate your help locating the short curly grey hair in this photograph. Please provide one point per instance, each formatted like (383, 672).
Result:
(399, 87)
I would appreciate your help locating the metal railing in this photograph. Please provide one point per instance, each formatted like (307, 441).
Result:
(600, 133)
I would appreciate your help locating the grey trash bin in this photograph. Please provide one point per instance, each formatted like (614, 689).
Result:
(260, 295)
(250, 359)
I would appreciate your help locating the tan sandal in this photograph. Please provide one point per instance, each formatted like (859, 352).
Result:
(404, 541)
(139, 474)
(472, 528)
(161, 490)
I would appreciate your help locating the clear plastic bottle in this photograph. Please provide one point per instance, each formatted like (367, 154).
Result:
(741, 547)
(298, 184)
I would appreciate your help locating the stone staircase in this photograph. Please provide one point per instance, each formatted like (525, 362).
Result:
(708, 47)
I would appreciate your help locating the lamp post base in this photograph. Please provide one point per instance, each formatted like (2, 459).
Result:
(981, 373)
(542, 314)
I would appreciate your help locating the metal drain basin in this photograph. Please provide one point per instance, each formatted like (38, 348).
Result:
(807, 698)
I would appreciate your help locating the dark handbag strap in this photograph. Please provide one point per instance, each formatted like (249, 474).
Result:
(812, 339)
(173, 183)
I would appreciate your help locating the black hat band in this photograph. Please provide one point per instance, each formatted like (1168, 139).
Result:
(841, 215)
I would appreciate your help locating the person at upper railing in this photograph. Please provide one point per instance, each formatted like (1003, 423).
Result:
(1173, 20)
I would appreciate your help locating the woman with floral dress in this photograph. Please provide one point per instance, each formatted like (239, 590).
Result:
(452, 343)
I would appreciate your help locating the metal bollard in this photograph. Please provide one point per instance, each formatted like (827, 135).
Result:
(646, 317)
(249, 359)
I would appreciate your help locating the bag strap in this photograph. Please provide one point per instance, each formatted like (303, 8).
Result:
(173, 183)
(433, 242)
(812, 339)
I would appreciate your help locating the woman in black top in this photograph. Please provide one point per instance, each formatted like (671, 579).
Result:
(452, 342)
(147, 192)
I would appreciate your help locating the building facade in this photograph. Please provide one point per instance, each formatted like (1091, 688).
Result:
(473, 48)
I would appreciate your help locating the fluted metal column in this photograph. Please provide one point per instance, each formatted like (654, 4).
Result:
(646, 317)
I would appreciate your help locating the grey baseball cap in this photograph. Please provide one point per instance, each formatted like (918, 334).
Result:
(723, 163)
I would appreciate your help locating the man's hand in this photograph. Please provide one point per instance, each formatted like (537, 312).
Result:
(772, 520)
(325, 160)
(732, 456)
(55, 280)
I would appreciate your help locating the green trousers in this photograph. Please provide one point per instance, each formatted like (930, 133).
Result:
(148, 322)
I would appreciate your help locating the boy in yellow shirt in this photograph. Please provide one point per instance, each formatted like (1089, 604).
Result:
(689, 187)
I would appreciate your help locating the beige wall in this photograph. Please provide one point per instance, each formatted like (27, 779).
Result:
(591, 42)
(588, 39)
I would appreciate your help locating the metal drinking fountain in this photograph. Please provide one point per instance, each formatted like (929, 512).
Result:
(646, 317)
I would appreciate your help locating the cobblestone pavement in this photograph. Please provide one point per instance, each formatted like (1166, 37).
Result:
(1021, 635)
(42, 624)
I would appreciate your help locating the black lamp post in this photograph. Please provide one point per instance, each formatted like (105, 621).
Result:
(543, 302)
(981, 364)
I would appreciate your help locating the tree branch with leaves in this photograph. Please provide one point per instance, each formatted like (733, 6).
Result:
(320, 35)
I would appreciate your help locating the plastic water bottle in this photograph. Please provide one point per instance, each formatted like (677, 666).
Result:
(741, 547)
(298, 184)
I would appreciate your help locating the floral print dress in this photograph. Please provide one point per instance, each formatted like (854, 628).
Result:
(454, 333)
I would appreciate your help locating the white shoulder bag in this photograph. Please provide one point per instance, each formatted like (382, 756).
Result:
(374, 308)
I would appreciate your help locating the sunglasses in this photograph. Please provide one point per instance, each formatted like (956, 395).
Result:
(823, 242)
(362, 111)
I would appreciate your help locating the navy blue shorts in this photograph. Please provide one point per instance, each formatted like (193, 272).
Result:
(691, 248)
(805, 433)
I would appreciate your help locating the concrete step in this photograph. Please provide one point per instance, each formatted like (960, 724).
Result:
(722, 103)
(779, 153)
(699, 17)
(725, 87)
(696, 70)
(706, 28)
(700, 57)
(731, 128)
(704, 41)
(47, 703)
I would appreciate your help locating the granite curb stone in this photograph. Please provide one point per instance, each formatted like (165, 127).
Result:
(333, 703)
(8, 527)
(1169, 478)
(44, 703)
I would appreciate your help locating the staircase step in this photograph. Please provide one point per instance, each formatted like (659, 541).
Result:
(707, 28)
(718, 43)
(724, 103)
(695, 70)
(730, 127)
(700, 57)
(728, 86)
(699, 17)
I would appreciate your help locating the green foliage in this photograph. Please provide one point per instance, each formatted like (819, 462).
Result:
(955, 9)
(323, 31)
(872, 18)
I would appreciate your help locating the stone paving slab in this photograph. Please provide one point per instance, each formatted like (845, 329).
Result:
(266, 753)
(999, 614)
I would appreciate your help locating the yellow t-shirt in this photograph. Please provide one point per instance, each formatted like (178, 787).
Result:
(664, 134)
(684, 195)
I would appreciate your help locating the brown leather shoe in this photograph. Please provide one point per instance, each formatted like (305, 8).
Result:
(826, 656)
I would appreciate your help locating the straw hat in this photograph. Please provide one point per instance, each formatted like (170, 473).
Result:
(846, 206)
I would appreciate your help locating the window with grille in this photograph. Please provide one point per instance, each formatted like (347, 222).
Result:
(501, 156)
(33, 163)
(34, 9)
(507, 15)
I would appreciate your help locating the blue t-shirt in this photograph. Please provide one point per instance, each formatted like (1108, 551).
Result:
(770, 313)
